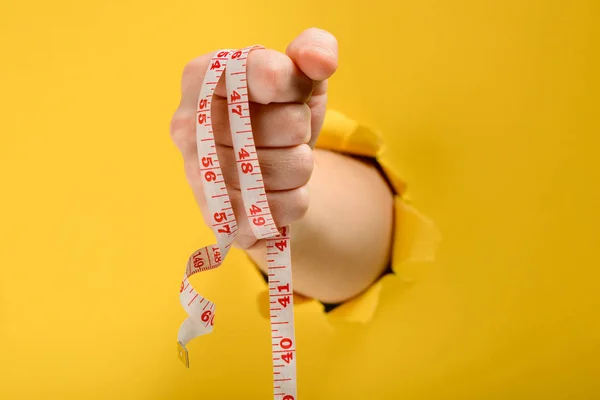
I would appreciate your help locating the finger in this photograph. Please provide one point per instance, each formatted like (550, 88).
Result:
(281, 168)
(273, 125)
(318, 109)
(315, 52)
(183, 132)
(286, 206)
(183, 122)
(273, 78)
(191, 81)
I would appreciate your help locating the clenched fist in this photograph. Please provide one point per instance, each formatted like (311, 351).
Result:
(288, 95)
(339, 252)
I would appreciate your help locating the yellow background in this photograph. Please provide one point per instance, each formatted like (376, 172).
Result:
(491, 107)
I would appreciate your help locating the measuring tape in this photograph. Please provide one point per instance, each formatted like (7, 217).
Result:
(201, 311)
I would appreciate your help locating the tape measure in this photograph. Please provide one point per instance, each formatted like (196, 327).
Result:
(201, 311)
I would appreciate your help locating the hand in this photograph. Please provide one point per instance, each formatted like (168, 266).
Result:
(288, 96)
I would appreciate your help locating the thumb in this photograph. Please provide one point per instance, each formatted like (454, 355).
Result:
(315, 52)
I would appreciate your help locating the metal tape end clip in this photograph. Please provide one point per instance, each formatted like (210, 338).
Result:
(182, 353)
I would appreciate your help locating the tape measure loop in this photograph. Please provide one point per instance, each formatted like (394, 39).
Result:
(201, 311)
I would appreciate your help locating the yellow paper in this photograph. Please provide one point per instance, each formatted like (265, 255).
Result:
(489, 110)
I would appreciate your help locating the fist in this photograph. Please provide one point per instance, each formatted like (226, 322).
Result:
(288, 96)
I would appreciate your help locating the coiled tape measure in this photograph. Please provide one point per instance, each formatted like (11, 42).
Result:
(201, 311)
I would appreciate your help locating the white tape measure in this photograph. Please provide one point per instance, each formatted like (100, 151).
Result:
(201, 311)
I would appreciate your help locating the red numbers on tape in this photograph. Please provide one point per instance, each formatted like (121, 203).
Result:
(207, 162)
(237, 110)
(284, 301)
(198, 261)
(217, 254)
(286, 343)
(220, 217)
(208, 316)
(247, 168)
(243, 154)
(232, 64)
(255, 209)
(225, 229)
(215, 65)
(284, 288)
(210, 176)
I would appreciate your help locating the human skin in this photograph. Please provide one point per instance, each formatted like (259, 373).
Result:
(340, 208)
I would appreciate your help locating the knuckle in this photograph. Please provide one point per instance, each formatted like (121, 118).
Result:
(289, 206)
(305, 159)
(299, 123)
(190, 70)
(194, 71)
(301, 202)
(181, 128)
(275, 74)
